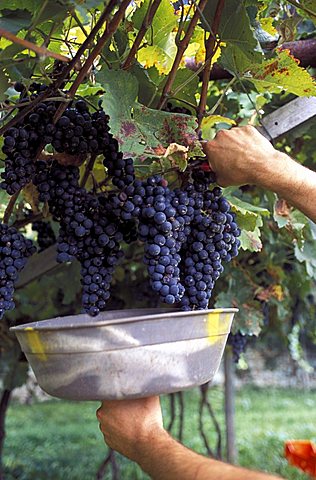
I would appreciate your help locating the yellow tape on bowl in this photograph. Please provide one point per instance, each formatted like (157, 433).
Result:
(35, 343)
(218, 323)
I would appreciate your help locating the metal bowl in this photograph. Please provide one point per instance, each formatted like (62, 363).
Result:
(125, 353)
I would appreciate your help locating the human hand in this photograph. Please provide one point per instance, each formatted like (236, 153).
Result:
(128, 426)
(241, 156)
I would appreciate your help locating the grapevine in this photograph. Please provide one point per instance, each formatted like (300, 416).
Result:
(187, 231)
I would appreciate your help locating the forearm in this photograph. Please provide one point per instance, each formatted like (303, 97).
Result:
(291, 181)
(165, 459)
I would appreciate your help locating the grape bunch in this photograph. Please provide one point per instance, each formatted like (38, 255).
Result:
(161, 225)
(213, 239)
(22, 141)
(14, 251)
(239, 343)
(85, 231)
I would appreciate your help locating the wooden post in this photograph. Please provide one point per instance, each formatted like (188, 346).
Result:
(4, 403)
(231, 453)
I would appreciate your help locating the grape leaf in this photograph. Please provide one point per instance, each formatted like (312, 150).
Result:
(249, 319)
(234, 28)
(160, 49)
(307, 254)
(4, 85)
(211, 120)
(141, 131)
(184, 85)
(248, 215)
(250, 240)
(12, 372)
(15, 20)
(281, 73)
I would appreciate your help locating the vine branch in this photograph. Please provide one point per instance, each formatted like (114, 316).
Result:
(210, 48)
(10, 207)
(110, 29)
(181, 48)
(31, 46)
(141, 33)
(88, 170)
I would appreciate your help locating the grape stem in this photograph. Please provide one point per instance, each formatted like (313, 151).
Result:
(25, 221)
(181, 48)
(211, 46)
(141, 33)
(24, 104)
(88, 170)
(10, 207)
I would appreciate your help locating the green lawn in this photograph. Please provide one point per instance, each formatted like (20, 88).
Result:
(59, 440)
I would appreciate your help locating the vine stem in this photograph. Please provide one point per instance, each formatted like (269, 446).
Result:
(23, 104)
(109, 31)
(10, 207)
(141, 33)
(219, 101)
(181, 48)
(59, 81)
(211, 46)
(31, 46)
(88, 169)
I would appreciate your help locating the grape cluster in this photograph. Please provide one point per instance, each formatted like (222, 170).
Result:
(79, 132)
(45, 234)
(86, 233)
(21, 142)
(212, 240)
(161, 227)
(238, 342)
(14, 251)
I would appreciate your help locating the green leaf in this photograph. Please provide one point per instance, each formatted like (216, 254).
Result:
(185, 85)
(239, 293)
(12, 372)
(29, 5)
(15, 20)
(234, 29)
(164, 23)
(248, 215)
(4, 85)
(141, 131)
(250, 240)
(307, 254)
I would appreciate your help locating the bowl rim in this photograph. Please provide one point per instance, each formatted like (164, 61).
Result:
(169, 314)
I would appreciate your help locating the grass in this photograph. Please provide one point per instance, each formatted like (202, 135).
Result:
(59, 440)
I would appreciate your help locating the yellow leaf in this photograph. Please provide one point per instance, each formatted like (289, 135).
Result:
(267, 25)
(77, 35)
(154, 56)
(209, 122)
(277, 292)
(177, 155)
(282, 73)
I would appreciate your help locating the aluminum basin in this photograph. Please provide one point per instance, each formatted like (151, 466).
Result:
(125, 353)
